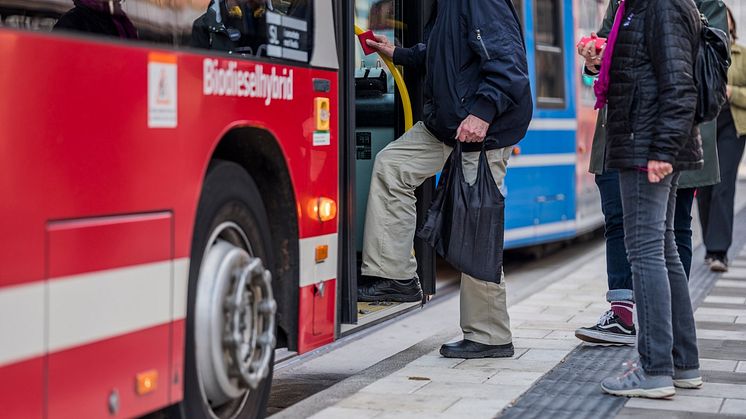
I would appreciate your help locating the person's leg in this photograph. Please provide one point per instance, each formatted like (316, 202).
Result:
(719, 235)
(645, 212)
(616, 325)
(484, 311)
(682, 226)
(685, 353)
(704, 200)
(391, 216)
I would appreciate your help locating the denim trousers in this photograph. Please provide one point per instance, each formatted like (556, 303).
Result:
(666, 331)
(618, 270)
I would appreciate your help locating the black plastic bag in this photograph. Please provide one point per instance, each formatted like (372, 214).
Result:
(465, 223)
(711, 72)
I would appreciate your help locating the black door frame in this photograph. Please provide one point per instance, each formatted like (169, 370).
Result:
(415, 14)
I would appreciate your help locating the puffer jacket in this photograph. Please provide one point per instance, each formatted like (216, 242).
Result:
(653, 95)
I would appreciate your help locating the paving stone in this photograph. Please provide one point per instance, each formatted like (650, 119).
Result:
(545, 355)
(507, 377)
(566, 326)
(542, 317)
(508, 364)
(729, 291)
(721, 334)
(717, 364)
(680, 403)
(395, 385)
(722, 311)
(436, 361)
(734, 407)
(740, 320)
(721, 326)
(476, 408)
(731, 283)
(725, 391)
(741, 367)
(724, 377)
(412, 403)
(545, 343)
(726, 300)
(531, 333)
(562, 334)
(734, 272)
(336, 412)
(713, 318)
(456, 375)
(526, 309)
(479, 391)
(721, 349)
(629, 413)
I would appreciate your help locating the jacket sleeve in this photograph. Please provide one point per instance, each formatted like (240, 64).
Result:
(494, 35)
(738, 96)
(674, 35)
(413, 57)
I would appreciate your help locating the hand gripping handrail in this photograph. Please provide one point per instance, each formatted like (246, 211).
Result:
(399, 80)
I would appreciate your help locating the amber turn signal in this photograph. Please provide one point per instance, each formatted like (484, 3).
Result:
(322, 253)
(323, 209)
(147, 382)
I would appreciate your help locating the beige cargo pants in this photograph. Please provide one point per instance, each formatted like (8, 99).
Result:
(391, 220)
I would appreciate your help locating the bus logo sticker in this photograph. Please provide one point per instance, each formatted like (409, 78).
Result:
(162, 91)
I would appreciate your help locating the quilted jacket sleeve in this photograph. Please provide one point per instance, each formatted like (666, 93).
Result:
(673, 42)
(494, 35)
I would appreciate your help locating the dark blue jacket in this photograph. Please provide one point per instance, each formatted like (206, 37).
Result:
(475, 60)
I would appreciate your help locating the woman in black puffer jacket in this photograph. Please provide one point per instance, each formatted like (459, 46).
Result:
(652, 98)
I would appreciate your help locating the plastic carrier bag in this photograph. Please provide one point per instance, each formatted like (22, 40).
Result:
(465, 223)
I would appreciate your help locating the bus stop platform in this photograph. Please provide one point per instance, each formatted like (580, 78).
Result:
(552, 373)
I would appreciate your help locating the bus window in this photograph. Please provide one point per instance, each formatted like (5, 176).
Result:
(134, 19)
(251, 28)
(550, 84)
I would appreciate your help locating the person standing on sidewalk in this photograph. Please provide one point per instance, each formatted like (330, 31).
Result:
(616, 326)
(716, 202)
(477, 92)
(647, 79)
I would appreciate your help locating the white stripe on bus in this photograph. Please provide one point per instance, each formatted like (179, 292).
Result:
(89, 307)
(312, 272)
(553, 124)
(542, 160)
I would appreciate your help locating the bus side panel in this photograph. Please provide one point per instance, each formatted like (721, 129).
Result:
(22, 389)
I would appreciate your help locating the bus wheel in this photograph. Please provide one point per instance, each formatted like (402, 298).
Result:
(230, 337)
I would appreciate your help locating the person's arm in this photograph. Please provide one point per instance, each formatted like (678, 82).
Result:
(495, 36)
(593, 67)
(672, 54)
(413, 57)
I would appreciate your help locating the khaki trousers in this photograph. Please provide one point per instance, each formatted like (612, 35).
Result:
(391, 220)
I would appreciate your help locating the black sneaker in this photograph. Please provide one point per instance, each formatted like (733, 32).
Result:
(375, 290)
(610, 329)
(719, 263)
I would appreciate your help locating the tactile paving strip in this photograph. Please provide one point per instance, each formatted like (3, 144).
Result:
(571, 389)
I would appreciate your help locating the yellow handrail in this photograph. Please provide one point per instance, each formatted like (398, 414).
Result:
(403, 92)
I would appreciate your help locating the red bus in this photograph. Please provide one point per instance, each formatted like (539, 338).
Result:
(179, 205)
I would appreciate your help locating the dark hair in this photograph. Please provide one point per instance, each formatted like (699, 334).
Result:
(732, 20)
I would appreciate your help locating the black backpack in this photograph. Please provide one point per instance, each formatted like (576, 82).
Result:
(711, 72)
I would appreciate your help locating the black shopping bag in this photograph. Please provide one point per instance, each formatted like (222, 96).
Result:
(465, 223)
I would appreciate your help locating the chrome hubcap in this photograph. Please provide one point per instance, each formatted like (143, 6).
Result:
(234, 320)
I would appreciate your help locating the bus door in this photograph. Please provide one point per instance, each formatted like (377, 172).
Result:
(375, 117)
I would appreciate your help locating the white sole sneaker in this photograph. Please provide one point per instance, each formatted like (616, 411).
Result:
(651, 393)
(602, 338)
(689, 383)
(718, 266)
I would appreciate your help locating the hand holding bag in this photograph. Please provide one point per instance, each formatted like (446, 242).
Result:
(466, 223)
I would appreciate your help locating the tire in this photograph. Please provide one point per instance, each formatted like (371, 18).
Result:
(229, 195)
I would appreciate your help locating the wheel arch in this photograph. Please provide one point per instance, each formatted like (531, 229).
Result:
(259, 153)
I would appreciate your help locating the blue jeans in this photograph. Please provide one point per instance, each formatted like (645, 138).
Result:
(666, 332)
(618, 270)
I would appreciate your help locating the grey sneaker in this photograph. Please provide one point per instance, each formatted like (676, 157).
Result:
(687, 378)
(635, 383)
(719, 263)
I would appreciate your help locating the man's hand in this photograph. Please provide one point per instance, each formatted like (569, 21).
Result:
(472, 130)
(657, 170)
(382, 45)
(588, 52)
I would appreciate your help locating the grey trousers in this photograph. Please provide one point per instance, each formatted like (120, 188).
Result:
(391, 220)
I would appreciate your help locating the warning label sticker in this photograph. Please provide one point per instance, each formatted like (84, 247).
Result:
(162, 91)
